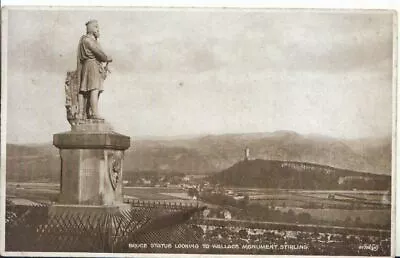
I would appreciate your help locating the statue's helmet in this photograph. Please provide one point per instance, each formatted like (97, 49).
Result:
(91, 26)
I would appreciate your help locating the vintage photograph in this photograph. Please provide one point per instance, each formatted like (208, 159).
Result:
(199, 130)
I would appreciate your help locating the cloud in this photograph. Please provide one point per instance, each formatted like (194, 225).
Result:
(313, 41)
(200, 41)
(183, 72)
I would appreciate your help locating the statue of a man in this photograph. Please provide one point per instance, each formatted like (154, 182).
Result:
(91, 71)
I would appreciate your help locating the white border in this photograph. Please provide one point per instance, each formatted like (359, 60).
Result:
(346, 4)
(309, 4)
(395, 228)
(4, 32)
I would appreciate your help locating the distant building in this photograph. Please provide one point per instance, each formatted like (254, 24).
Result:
(229, 192)
(227, 214)
(146, 181)
(347, 179)
(386, 198)
(238, 197)
(246, 154)
(206, 212)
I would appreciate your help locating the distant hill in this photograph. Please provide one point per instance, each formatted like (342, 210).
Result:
(217, 152)
(213, 153)
(297, 175)
(32, 162)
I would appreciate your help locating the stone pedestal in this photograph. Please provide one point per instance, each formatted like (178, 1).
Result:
(91, 164)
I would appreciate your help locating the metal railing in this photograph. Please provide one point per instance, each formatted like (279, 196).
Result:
(34, 229)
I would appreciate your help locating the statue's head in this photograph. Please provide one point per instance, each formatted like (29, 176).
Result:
(92, 27)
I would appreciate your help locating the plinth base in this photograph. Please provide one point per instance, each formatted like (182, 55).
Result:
(91, 164)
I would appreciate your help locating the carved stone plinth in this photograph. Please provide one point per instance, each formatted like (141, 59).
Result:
(91, 164)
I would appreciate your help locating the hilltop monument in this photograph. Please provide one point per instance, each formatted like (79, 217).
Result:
(91, 152)
(246, 154)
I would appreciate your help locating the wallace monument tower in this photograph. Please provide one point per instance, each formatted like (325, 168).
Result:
(91, 152)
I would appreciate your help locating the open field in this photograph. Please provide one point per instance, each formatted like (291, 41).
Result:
(183, 196)
(264, 196)
(375, 197)
(322, 199)
(303, 201)
(250, 190)
(377, 217)
(155, 193)
(368, 206)
(44, 191)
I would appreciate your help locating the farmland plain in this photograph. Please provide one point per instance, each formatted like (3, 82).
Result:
(367, 206)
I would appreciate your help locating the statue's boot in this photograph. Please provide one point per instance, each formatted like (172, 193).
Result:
(79, 116)
(96, 117)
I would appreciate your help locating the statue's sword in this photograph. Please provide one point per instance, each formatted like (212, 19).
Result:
(106, 68)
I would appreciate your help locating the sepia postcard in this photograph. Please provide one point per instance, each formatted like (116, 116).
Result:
(198, 131)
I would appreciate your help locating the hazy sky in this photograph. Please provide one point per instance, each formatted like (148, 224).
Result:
(179, 72)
